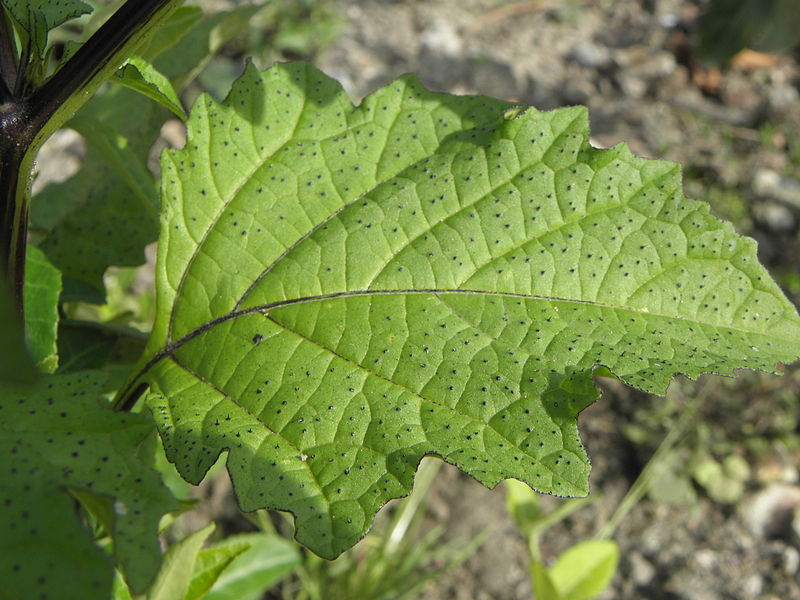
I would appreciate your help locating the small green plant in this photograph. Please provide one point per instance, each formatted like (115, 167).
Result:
(340, 291)
(583, 571)
(580, 573)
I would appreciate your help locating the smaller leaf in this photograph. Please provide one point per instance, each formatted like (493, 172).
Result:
(585, 569)
(190, 55)
(543, 586)
(175, 575)
(141, 76)
(210, 564)
(42, 290)
(269, 559)
(107, 212)
(81, 346)
(91, 345)
(120, 591)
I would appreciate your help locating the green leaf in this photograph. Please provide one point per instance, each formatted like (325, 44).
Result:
(523, 505)
(342, 291)
(42, 290)
(205, 38)
(84, 346)
(210, 564)
(17, 366)
(60, 435)
(268, 559)
(53, 12)
(139, 75)
(107, 212)
(543, 586)
(584, 570)
(178, 566)
(37, 17)
(170, 33)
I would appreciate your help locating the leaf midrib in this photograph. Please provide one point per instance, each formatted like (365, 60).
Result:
(170, 348)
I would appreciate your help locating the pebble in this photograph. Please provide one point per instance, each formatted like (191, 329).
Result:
(441, 37)
(769, 513)
(769, 184)
(753, 586)
(777, 217)
(791, 560)
(782, 97)
(642, 570)
(590, 55)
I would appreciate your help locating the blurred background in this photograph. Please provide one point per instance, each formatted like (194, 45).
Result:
(698, 490)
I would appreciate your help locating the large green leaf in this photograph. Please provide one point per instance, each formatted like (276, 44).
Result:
(55, 436)
(343, 290)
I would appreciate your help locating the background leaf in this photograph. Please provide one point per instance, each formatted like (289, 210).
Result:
(342, 291)
(177, 567)
(542, 583)
(42, 290)
(585, 569)
(58, 435)
(54, 12)
(105, 214)
(210, 564)
(268, 559)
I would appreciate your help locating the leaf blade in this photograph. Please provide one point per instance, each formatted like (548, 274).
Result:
(422, 275)
(64, 437)
(141, 76)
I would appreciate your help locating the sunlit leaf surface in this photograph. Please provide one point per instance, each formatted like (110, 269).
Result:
(343, 290)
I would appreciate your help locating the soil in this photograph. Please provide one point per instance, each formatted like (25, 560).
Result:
(735, 130)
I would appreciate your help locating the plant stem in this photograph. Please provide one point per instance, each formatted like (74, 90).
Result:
(26, 122)
(650, 470)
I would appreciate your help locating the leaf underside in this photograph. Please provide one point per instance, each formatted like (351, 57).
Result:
(56, 436)
(343, 290)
